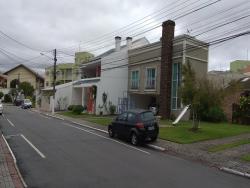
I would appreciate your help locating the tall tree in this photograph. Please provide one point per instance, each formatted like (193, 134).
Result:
(14, 83)
(190, 93)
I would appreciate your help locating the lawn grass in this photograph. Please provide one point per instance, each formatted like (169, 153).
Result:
(222, 147)
(181, 133)
(101, 120)
(246, 157)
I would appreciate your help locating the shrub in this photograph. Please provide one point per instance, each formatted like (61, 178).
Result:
(214, 114)
(7, 98)
(112, 109)
(70, 107)
(77, 109)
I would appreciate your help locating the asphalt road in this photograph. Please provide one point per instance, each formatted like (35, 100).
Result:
(55, 153)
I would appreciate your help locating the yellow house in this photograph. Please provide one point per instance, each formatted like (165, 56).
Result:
(24, 74)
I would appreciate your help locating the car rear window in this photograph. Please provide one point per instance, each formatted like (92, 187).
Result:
(146, 116)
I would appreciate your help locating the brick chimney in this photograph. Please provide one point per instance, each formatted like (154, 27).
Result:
(168, 28)
(118, 43)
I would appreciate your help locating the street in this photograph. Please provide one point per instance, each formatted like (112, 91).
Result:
(55, 153)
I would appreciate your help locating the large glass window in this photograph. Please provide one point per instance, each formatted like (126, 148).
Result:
(176, 80)
(151, 78)
(135, 79)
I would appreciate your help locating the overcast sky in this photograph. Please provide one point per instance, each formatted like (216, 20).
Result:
(78, 24)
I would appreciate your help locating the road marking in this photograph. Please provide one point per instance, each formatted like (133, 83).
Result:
(10, 122)
(121, 143)
(34, 147)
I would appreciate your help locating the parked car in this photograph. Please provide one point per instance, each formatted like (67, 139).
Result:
(18, 102)
(135, 125)
(26, 104)
(1, 108)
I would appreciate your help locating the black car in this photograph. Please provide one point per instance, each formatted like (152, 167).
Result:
(135, 125)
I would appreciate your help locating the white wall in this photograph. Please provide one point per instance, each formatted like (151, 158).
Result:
(114, 82)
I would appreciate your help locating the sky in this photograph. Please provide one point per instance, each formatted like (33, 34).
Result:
(86, 25)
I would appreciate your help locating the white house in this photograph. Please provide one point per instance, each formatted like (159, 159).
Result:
(106, 76)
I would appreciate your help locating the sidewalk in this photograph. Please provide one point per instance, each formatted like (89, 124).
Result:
(196, 151)
(9, 177)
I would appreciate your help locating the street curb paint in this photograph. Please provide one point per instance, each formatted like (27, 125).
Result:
(100, 130)
(15, 161)
(235, 172)
(156, 147)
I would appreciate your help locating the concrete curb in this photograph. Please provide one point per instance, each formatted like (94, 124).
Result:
(156, 147)
(235, 172)
(54, 116)
(15, 162)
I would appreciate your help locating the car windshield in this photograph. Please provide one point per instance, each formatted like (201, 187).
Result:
(146, 116)
(26, 100)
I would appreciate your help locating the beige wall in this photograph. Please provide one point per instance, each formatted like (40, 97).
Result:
(142, 80)
(24, 75)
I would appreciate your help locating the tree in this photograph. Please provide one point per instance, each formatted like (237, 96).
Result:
(190, 93)
(14, 83)
(27, 89)
(203, 96)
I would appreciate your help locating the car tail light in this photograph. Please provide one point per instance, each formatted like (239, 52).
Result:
(140, 125)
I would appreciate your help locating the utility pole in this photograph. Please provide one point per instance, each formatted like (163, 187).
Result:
(54, 83)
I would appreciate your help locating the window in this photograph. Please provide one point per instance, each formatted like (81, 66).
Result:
(176, 80)
(135, 79)
(151, 78)
(147, 116)
(122, 117)
(131, 117)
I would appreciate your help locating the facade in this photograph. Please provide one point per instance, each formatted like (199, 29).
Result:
(66, 72)
(3, 81)
(146, 76)
(106, 76)
(239, 65)
(24, 74)
(233, 96)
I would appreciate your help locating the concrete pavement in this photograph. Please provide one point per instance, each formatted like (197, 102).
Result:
(80, 157)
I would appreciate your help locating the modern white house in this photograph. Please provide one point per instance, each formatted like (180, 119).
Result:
(104, 82)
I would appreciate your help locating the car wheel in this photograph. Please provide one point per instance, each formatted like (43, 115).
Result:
(111, 132)
(134, 139)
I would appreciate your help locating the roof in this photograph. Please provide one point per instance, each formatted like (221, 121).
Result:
(113, 50)
(3, 76)
(30, 70)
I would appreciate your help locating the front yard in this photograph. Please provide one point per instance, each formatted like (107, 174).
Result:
(179, 133)
(208, 131)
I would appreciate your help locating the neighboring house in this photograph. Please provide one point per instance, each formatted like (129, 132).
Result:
(239, 65)
(145, 76)
(66, 72)
(233, 96)
(222, 79)
(24, 74)
(246, 71)
(3, 81)
(65, 95)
